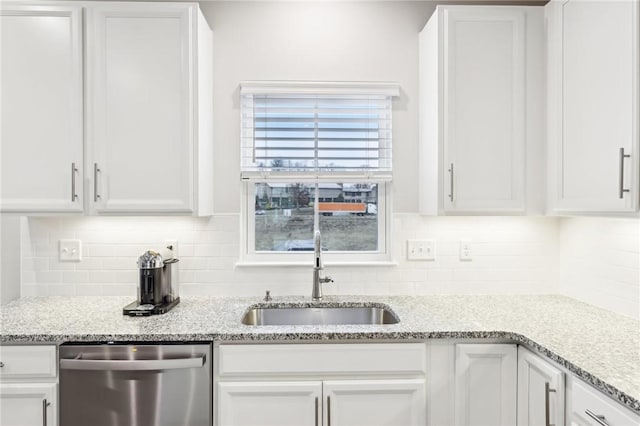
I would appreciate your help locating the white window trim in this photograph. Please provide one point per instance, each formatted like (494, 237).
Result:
(382, 257)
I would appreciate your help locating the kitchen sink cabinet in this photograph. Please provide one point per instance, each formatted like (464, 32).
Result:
(541, 391)
(481, 117)
(330, 402)
(149, 103)
(28, 386)
(593, 135)
(328, 384)
(131, 134)
(280, 403)
(41, 136)
(374, 402)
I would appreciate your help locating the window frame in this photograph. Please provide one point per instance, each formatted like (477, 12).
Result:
(383, 256)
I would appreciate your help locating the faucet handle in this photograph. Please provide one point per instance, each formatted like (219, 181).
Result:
(326, 279)
(267, 296)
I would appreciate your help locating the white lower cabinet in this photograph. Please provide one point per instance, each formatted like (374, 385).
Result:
(374, 402)
(485, 384)
(321, 384)
(540, 391)
(28, 386)
(28, 404)
(590, 407)
(269, 403)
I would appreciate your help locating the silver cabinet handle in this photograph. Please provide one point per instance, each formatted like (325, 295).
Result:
(74, 170)
(317, 402)
(451, 182)
(45, 404)
(621, 183)
(328, 411)
(96, 170)
(547, 413)
(131, 365)
(599, 418)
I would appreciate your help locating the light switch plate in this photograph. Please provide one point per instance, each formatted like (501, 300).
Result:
(70, 250)
(421, 249)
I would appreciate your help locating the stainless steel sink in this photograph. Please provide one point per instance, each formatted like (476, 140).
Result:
(353, 315)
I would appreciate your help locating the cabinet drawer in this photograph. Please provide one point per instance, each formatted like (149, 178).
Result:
(380, 358)
(27, 362)
(586, 399)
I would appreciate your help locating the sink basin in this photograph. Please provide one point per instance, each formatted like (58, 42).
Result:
(346, 315)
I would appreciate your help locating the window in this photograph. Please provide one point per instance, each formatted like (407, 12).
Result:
(316, 156)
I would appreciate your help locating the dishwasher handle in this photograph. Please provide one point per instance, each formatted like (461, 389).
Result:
(131, 365)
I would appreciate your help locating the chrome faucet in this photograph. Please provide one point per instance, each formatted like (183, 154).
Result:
(316, 293)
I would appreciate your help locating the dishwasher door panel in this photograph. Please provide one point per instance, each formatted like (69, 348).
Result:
(135, 385)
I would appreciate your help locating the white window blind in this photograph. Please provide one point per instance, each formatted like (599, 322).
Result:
(316, 131)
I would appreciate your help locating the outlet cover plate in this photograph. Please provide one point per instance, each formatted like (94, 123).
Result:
(465, 250)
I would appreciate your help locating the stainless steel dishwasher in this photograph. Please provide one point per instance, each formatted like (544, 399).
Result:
(135, 385)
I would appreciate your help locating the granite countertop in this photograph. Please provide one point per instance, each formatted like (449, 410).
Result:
(598, 346)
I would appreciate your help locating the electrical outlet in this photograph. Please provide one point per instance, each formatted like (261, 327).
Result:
(465, 250)
(70, 250)
(170, 249)
(421, 249)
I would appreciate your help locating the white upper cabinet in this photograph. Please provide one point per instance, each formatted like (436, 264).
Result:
(41, 108)
(137, 140)
(147, 67)
(593, 106)
(480, 84)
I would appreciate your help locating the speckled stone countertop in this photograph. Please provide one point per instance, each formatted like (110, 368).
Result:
(600, 347)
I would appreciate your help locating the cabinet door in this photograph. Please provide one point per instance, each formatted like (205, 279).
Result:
(41, 108)
(375, 402)
(540, 391)
(484, 89)
(599, 107)
(269, 403)
(485, 384)
(28, 404)
(140, 107)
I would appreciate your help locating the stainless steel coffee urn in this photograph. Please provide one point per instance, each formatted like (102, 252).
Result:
(157, 285)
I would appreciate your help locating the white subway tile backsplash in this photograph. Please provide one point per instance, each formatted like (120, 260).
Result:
(594, 259)
(601, 262)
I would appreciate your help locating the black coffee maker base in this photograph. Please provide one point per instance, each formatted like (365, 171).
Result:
(135, 310)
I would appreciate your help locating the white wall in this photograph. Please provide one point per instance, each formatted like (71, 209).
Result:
(316, 41)
(601, 262)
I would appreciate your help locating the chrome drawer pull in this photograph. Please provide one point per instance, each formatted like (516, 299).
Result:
(317, 402)
(547, 413)
(96, 170)
(599, 418)
(45, 404)
(451, 182)
(621, 183)
(74, 170)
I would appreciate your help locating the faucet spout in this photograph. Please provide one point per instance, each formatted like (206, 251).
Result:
(316, 292)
